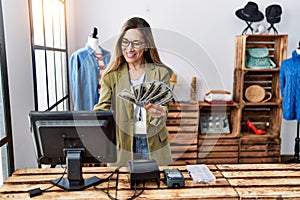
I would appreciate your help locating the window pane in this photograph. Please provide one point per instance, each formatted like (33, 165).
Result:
(2, 113)
(62, 26)
(41, 79)
(37, 19)
(59, 25)
(56, 25)
(65, 73)
(4, 166)
(51, 77)
(65, 79)
(51, 73)
(59, 77)
(48, 10)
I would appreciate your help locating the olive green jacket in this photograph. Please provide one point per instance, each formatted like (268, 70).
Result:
(157, 132)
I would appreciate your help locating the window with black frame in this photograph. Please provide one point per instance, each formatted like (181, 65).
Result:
(6, 145)
(49, 54)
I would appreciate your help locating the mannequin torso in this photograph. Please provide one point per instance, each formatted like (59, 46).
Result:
(93, 43)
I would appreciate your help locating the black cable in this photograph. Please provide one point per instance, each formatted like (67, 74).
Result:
(38, 191)
(57, 181)
(108, 179)
(137, 195)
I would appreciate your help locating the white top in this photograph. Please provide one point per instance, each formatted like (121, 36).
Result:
(93, 43)
(298, 51)
(139, 112)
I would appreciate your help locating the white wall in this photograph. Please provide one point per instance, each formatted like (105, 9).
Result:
(195, 38)
(18, 52)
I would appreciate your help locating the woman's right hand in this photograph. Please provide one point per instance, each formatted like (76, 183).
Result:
(156, 111)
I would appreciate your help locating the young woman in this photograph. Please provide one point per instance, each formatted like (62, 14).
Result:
(141, 132)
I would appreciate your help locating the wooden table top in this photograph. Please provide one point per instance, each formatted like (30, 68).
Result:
(233, 181)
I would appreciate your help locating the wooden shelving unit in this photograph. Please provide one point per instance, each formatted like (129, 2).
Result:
(190, 146)
(267, 116)
(182, 124)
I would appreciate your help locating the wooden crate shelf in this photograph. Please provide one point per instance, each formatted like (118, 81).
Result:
(218, 150)
(259, 149)
(263, 117)
(182, 124)
(276, 44)
(232, 113)
(267, 116)
(269, 80)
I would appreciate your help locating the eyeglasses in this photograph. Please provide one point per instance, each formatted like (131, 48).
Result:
(135, 44)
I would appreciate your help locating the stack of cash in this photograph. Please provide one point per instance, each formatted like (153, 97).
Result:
(154, 92)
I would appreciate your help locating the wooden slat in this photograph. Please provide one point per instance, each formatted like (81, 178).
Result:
(263, 181)
(183, 106)
(218, 155)
(183, 115)
(258, 167)
(183, 148)
(218, 148)
(219, 141)
(183, 129)
(275, 193)
(176, 122)
(218, 160)
(260, 160)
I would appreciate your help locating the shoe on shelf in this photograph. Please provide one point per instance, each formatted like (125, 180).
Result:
(254, 129)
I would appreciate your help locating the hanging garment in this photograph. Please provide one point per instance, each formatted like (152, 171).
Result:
(289, 86)
(101, 70)
(84, 77)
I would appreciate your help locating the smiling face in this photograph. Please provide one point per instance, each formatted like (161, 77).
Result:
(133, 47)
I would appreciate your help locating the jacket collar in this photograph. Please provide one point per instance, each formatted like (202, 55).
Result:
(123, 72)
(295, 55)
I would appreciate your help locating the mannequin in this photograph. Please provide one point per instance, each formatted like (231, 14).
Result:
(289, 70)
(298, 50)
(85, 72)
(93, 41)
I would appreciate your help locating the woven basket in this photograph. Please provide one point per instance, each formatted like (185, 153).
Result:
(255, 93)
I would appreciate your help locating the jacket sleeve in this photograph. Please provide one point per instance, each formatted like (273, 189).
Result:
(282, 78)
(105, 94)
(75, 75)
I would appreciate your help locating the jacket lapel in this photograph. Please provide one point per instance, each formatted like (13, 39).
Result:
(150, 72)
(123, 82)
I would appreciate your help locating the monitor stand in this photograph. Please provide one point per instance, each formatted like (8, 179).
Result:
(74, 172)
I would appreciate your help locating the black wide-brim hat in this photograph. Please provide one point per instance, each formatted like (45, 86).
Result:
(273, 13)
(250, 13)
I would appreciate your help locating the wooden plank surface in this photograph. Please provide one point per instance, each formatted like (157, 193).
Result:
(233, 181)
(17, 186)
(263, 181)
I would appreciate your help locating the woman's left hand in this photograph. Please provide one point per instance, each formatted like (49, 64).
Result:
(156, 111)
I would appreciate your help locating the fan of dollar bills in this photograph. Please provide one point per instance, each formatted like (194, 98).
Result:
(155, 92)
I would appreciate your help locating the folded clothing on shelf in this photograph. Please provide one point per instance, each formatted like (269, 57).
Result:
(218, 96)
